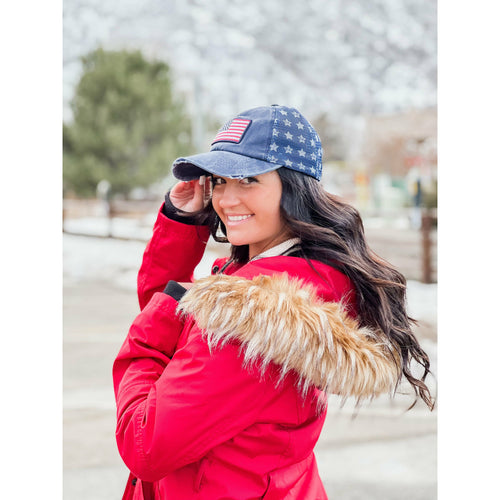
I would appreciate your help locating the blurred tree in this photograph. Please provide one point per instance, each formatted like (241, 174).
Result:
(127, 125)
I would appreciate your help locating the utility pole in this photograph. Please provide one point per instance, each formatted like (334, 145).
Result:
(426, 246)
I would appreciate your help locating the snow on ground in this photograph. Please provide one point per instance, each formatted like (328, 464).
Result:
(422, 301)
(113, 260)
(88, 259)
(119, 226)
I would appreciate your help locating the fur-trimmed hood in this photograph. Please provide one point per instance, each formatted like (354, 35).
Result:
(282, 320)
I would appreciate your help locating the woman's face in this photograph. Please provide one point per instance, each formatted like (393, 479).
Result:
(250, 210)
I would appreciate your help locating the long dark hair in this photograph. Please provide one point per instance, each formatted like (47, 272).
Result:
(332, 232)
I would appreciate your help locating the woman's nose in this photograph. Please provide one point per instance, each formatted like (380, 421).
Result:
(229, 197)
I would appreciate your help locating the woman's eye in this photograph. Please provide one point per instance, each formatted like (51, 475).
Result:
(248, 180)
(217, 181)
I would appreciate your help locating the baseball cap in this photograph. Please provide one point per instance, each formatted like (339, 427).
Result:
(257, 141)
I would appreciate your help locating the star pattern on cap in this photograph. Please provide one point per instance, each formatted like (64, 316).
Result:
(294, 143)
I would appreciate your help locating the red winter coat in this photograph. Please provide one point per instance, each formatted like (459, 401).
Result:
(220, 396)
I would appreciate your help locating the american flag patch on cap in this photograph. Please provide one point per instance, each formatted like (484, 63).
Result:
(233, 130)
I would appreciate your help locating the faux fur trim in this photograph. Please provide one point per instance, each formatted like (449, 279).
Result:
(281, 320)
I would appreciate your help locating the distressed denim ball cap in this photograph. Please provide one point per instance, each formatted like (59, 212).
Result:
(257, 141)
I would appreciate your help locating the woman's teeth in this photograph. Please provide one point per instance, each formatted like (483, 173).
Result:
(236, 218)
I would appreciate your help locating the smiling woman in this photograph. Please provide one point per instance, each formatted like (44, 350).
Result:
(222, 383)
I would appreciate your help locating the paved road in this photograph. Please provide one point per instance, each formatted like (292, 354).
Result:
(377, 453)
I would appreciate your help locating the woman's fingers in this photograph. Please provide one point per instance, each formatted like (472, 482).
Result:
(207, 190)
(190, 196)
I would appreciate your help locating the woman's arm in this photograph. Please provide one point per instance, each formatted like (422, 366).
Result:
(172, 409)
(177, 244)
(173, 252)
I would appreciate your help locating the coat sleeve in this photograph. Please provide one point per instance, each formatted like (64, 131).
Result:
(173, 408)
(173, 252)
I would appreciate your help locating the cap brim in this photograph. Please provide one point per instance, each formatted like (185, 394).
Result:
(223, 163)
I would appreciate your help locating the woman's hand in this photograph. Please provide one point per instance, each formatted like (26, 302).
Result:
(191, 196)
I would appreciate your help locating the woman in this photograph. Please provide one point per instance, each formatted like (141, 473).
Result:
(221, 384)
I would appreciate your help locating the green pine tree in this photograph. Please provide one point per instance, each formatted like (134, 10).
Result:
(127, 125)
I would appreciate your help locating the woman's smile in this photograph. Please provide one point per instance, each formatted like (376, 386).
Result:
(232, 220)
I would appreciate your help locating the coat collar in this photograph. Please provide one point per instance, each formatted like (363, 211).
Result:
(281, 320)
(281, 249)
